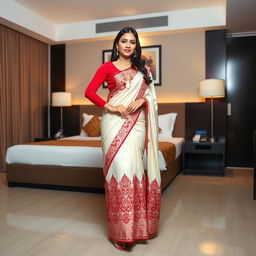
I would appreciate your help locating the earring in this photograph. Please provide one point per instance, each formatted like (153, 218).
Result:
(117, 52)
(134, 56)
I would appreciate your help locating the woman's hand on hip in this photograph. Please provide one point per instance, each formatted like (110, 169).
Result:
(117, 109)
(133, 106)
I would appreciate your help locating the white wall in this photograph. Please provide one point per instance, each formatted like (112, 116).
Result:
(183, 66)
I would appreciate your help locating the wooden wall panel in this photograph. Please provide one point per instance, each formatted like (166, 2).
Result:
(57, 78)
(241, 93)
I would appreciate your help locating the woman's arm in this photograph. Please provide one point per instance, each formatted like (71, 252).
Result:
(94, 85)
(91, 94)
(117, 109)
(133, 106)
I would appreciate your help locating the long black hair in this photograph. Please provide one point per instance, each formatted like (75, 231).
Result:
(136, 60)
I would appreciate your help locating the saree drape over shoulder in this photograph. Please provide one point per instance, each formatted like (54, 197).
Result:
(133, 195)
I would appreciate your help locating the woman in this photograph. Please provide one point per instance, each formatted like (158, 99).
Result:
(128, 126)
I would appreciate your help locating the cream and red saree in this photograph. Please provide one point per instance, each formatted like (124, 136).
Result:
(133, 196)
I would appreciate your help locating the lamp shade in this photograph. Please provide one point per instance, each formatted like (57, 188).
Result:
(212, 88)
(61, 99)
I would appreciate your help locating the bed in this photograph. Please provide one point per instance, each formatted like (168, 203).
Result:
(89, 176)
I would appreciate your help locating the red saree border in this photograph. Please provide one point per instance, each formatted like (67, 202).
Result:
(132, 214)
(146, 135)
(123, 132)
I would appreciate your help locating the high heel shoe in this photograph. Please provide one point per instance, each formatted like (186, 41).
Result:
(129, 246)
(119, 246)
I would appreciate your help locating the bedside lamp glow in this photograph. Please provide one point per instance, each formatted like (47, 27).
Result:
(61, 99)
(212, 88)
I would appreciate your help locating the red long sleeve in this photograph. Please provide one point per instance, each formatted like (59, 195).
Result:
(93, 86)
(106, 72)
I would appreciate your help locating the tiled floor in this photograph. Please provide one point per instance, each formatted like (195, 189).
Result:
(200, 216)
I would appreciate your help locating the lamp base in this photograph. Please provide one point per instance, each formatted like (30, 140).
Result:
(59, 134)
(212, 139)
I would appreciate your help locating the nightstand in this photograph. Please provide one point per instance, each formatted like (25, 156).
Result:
(204, 158)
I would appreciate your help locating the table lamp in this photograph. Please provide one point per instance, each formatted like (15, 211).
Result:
(212, 88)
(61, 99)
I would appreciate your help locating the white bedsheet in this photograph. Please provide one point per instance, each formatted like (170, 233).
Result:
(71, 155)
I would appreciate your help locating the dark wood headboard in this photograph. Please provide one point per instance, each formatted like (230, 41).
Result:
(163, 108)
(191, 116)
(179, 108)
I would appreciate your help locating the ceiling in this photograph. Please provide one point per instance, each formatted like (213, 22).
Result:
(66, 11)
(240, 13)
(77, 18)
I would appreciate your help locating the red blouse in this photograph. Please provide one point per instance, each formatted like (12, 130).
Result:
(106, 72)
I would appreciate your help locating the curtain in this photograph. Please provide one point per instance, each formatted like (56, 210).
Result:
(23, 89)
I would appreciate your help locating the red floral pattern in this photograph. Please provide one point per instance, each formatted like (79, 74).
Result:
(132, 210)
(122, 79)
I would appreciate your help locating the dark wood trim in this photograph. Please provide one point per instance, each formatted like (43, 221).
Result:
(241, 93)
(58, 68)
(215, 54)
(58, 81)
(198, 116)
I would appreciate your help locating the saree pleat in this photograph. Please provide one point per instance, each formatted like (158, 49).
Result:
(132, 195)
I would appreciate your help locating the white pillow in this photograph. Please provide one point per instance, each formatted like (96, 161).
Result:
(86, 119)
(166, 123)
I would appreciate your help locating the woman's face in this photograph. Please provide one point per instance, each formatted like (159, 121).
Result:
(127, 45)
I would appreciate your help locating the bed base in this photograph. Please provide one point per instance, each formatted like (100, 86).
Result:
(88, 179)
(70, 178)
